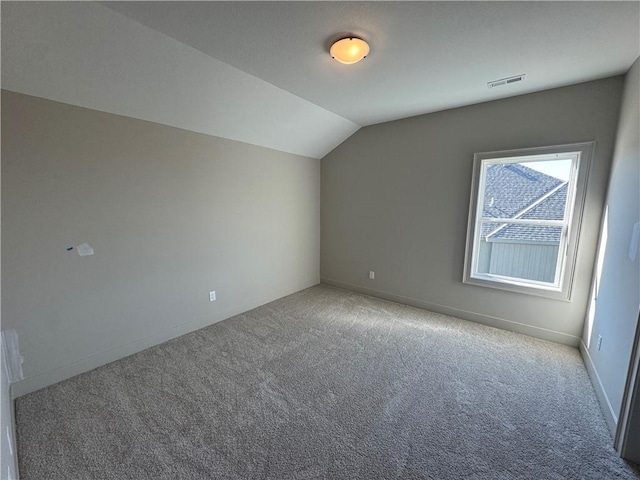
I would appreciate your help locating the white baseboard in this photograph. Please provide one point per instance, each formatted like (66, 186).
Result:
(609, 413)
(496, 322)
(50, 377)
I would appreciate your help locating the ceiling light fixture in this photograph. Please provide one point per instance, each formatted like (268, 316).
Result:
(349, 50)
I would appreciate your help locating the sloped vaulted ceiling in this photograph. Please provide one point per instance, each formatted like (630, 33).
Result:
(85, 54)
(259, 72)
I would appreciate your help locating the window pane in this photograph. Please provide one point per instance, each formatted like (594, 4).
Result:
(526, 190)
(524, 204)
(528, 252)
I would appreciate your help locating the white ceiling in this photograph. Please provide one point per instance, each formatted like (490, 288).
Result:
(425, 56)
(260, 72)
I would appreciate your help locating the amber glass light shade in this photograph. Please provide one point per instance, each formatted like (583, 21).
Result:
(349, 50)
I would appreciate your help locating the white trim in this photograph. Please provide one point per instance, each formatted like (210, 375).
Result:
(630, 398)
(9, 465)
(561, 289)
(492, 277)
(522, 221)
(608, 411)
(556, 286)
(496, 322)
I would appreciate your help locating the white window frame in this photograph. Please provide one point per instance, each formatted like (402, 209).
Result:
(560, 289)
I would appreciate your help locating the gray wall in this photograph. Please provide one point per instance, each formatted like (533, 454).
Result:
(395, 200)
(171, 215)
(615, 312)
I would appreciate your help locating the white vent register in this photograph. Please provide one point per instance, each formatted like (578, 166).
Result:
(506, 81)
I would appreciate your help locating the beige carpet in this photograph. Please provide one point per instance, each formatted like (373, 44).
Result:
(326, 384)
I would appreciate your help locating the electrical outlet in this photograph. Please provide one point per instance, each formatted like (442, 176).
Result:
(372, 275)
(212, 296)
(599, 344)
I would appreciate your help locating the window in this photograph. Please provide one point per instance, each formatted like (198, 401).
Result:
(524, 219)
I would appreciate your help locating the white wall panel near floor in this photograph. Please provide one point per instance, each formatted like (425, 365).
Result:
(8, 458)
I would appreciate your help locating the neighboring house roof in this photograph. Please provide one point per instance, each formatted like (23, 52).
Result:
(516, 191)
(551, 208)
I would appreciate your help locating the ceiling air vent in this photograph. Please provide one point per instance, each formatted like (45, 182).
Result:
(505, 81)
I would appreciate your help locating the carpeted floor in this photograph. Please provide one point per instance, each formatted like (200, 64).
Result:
(326, 384)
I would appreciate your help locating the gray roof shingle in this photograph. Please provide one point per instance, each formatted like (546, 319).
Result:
(510, 190)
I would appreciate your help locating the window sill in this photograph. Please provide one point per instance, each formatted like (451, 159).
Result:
(545, 291)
